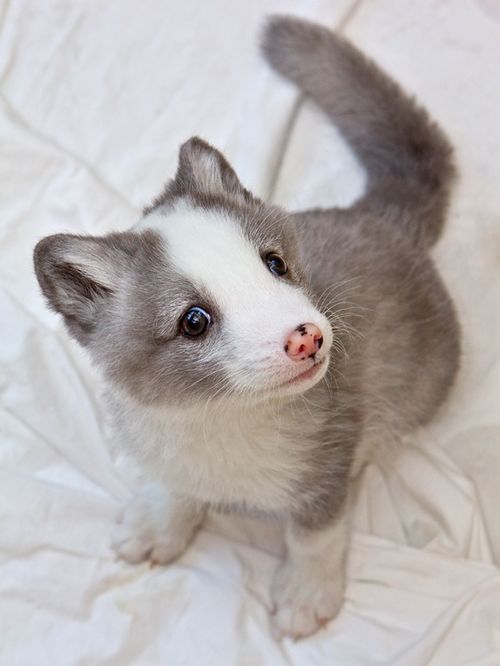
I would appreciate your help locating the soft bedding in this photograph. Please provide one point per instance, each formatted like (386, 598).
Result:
(95, 99)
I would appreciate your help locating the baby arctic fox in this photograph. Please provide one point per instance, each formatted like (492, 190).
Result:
(213, 316)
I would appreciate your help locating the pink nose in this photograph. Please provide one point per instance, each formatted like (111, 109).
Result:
(303, 342)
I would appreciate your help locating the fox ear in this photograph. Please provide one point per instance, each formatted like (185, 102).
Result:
(77, 275)
(205, 170)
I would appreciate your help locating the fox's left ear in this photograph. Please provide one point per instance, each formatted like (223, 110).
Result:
(204, 170)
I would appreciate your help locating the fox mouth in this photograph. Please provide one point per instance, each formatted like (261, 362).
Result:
(310, 373)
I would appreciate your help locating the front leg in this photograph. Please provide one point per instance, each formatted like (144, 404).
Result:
(308, 588)
(157, 526)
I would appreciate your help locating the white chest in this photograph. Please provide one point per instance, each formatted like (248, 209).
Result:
(254, 460)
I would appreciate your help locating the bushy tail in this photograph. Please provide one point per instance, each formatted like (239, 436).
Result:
(407, 157)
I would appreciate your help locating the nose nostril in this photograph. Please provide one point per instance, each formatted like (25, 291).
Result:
(303, 342)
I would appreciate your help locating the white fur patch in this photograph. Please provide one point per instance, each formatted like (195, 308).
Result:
(259, 309)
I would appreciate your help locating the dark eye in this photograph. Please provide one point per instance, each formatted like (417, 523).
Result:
(276, 264)
(195, 322)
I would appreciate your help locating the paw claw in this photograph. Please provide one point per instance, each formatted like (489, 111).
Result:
(305, 603)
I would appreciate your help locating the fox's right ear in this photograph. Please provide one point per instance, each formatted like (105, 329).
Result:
(203, 169)
(78, 274)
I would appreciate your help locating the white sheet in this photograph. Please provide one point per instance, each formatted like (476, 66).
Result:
(95, 99)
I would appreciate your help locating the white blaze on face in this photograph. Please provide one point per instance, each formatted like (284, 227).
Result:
(259, 309)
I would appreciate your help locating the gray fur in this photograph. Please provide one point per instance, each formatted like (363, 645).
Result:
(396, 322)
(407, 157)
(396, 338)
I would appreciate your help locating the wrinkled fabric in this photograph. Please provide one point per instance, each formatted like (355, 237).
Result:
(95, 100)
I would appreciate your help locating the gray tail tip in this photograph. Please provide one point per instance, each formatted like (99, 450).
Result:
(277, 31)
(285, 37)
